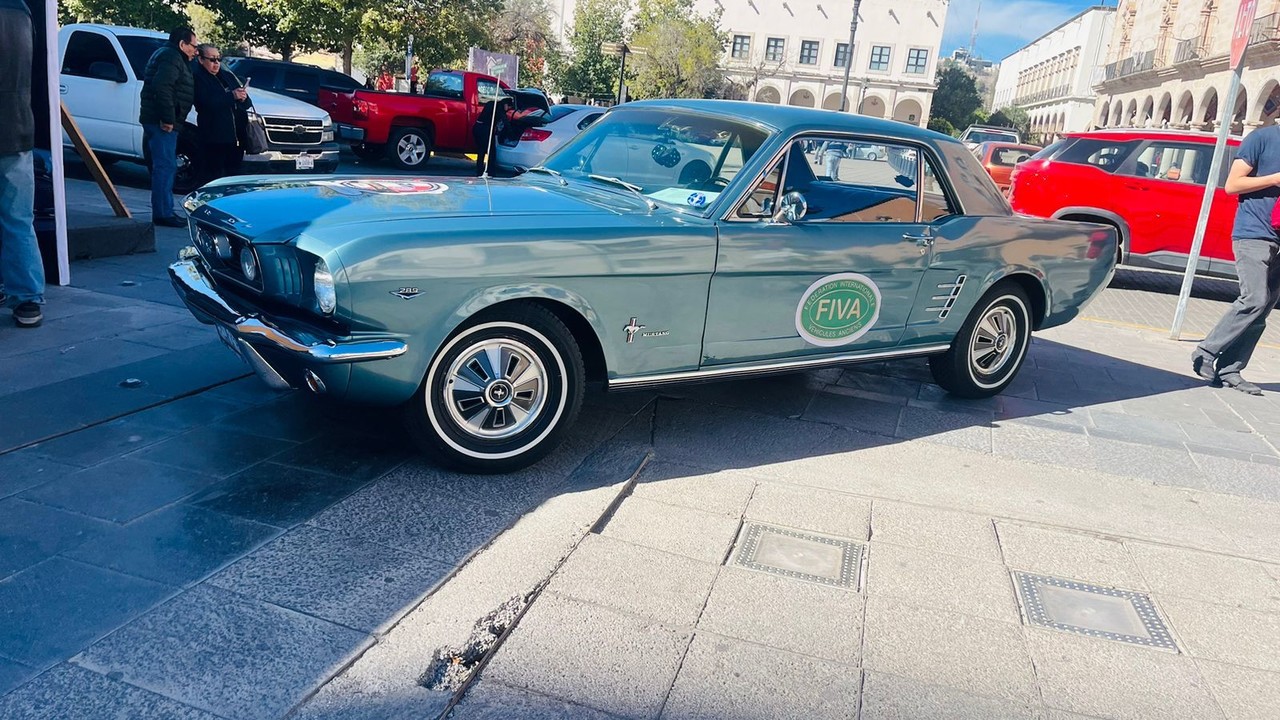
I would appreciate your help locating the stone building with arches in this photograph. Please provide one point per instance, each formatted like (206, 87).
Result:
(1052, 77)
(1168, 66)
(794, 52)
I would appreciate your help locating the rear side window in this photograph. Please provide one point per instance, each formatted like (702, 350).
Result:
(1008, 157)
(446, 85)
(1049, 152)
(86, 49)
(301, 81)
(1107, 155)
(590, 118)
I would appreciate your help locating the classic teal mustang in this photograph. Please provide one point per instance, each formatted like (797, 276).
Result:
(672, 241)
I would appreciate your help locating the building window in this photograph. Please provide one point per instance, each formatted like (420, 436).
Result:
(741, 47)
(917, 61)
(808, 52)
(774, 48)
(879, 58)
(842, 54)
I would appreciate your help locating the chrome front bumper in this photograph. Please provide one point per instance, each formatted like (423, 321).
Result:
(248, 334)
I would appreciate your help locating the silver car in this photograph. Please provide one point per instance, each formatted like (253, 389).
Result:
(537, 143)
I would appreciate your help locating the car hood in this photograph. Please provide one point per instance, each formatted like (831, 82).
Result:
(269, 103)
(278, 209)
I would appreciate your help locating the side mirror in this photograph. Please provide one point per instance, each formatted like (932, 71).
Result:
(791, 208)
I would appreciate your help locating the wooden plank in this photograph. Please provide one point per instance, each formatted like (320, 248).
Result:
(90, 159)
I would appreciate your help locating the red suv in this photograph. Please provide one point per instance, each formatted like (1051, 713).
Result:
(1148, 184)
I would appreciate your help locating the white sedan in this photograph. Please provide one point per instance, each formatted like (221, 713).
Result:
(536, 143)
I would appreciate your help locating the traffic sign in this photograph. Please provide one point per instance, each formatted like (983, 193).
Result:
(1240, 36)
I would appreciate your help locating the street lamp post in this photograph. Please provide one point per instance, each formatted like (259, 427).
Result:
(848, 61)
(623, 50)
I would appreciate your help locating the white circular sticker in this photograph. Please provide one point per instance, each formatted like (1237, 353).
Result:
(838, 309)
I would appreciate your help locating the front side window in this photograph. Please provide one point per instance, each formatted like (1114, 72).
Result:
(880, 56)
(487, 90)
(138, 49)
(741, 47)
(809, 52)
(839, 185)
(917, 61)
(774, 49)
(301, 81)
(842, 54)
(1107, 155)
(676, 158)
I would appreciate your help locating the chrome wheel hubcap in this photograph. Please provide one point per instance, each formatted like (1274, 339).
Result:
(496, 388)
(411, 149)
(995, 340)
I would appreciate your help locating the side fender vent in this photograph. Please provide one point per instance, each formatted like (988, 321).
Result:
(950, 291)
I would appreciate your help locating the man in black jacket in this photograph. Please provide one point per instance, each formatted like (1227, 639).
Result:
(168, 90)
(21, 269)
(220, 101)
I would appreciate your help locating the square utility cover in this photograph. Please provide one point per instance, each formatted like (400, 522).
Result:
(1092, 610)
(790, 553)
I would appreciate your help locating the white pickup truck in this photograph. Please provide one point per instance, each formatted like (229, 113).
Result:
(101, 86)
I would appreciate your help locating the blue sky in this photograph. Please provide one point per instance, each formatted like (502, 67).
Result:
(1006, 25)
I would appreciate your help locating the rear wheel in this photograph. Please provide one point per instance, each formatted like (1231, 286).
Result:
(409, 148)
(990, 347)
(501, 393)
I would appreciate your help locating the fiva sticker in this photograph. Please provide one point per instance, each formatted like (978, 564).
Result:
(696, 199)
(838, 309)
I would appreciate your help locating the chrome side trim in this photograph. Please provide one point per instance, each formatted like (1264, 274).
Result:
(203, 300)
(773, 367)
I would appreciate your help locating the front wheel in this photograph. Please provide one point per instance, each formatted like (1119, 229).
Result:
(501, 393)
(990, 347)
(410, 148)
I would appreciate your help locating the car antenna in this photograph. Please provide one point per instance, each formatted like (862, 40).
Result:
(493, 127)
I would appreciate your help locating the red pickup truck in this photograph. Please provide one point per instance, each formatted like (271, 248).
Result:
(407, 128)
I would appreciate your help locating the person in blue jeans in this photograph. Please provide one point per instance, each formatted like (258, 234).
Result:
(21, 268)
(168, 91)
(1255, 178)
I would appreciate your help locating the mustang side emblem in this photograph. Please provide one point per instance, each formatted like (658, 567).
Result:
(632, 328)
(407, 293)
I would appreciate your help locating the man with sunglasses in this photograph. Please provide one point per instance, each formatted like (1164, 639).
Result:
(221, 102)
(168, 91)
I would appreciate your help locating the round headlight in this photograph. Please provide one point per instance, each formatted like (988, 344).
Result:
(326, 298)
(248, 264)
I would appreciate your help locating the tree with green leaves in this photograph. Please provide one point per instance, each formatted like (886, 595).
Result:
(957, 98)
(941, 125)
(585, 69)
(163, 15)
(523, 28)
(681, 51)
(1014, 117)
(233, 23)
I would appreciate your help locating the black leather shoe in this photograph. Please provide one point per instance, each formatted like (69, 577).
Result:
(1235, 382)
(1202, 365)
(173, 222)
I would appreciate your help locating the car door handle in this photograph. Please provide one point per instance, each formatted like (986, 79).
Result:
(1132, 186)
(924, 240)
(62, 89)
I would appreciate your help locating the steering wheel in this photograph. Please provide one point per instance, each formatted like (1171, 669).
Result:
(720, 182)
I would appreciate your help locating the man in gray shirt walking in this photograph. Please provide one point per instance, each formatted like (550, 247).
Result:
(1255, 177)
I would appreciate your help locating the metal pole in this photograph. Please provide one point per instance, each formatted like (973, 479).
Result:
(622, 71)
(1202, 224)
(848, 63)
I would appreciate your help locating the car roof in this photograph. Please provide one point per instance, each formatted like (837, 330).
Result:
(273, 61)
(1125, 134)
(576, 107)
(119, 30)
(790, 119)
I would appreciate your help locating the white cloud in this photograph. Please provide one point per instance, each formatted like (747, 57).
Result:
(1003, 27)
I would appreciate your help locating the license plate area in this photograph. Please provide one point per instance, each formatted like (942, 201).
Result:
(304, 162)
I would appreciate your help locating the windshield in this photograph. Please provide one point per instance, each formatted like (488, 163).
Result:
(677, 158)
(981, 136)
